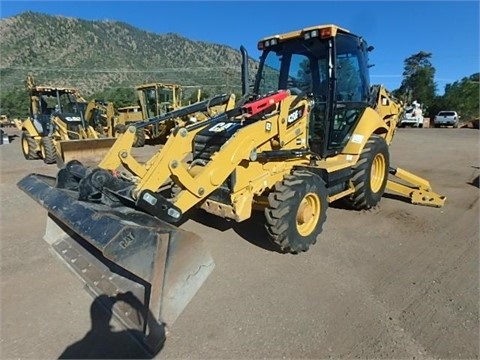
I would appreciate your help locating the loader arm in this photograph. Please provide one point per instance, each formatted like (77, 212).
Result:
(198, 182)
(196, 185)
(62, 129)
(119, 154)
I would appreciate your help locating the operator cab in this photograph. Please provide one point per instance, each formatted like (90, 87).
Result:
(328, 64)
(158, 99)
(55, 102)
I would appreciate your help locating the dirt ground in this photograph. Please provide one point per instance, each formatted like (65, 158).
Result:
(400, 281)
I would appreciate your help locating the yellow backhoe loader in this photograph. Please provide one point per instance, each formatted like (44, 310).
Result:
(312, 131)
(57, 129)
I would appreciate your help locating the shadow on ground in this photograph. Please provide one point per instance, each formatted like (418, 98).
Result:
(101, 342)
(251, 230)
(475, 182)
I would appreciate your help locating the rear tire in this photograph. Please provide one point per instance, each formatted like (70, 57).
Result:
(296, 212)
(370, 174)
(29, 146)
(48, 150)
(139, 138)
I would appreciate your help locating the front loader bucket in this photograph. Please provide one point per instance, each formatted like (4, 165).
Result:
(146, 269)
(87, 151)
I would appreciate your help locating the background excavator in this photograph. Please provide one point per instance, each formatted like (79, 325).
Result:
(311, 132)
(59, 127)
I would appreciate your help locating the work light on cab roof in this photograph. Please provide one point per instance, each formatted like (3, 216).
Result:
(319, 31)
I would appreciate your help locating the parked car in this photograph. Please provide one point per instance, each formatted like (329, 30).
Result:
(413, 116)
(446, 118)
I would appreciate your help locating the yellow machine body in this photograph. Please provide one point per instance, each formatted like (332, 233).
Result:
(312, 131)
(62, 127)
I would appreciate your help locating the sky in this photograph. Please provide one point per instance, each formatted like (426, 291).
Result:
(397, 29)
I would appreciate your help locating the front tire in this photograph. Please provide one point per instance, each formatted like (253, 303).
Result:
(29, 146)
(370, 174)
(296, 211)
(48, 150)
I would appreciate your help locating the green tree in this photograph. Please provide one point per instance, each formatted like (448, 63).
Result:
(15, 103)
(418, 79)
(463, 97)
(120, 96)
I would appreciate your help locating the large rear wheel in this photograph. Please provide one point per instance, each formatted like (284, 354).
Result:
(296, 211)
(370, 174)
(48, 150)
(29, 146)
(139, 138)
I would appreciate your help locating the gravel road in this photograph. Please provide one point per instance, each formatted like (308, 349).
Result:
(400, 281)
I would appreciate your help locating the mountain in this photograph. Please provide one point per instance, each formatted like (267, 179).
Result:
(96, 55)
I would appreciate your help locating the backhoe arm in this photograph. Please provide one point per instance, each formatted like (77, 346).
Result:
(417, 189)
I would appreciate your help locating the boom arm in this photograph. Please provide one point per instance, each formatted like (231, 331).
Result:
(388, 107)
(197, 182)
(417, 189)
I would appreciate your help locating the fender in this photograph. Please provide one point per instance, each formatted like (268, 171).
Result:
(363, 131)
(30, 128)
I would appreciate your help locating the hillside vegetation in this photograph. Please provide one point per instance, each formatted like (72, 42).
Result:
(95, 55)
(106, 59)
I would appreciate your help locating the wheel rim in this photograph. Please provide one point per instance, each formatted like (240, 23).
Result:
(307, 214)
(25, 146)
(377, 173)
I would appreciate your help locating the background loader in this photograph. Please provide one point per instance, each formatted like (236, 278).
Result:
(110, 122)
(312, 131)
(156, 100)
(128, 115)
(57, 128)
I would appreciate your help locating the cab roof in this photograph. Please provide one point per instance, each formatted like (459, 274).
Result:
(46, 88)
(155, 85)
(334, 29)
